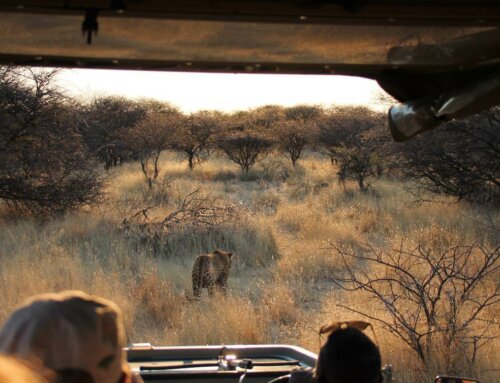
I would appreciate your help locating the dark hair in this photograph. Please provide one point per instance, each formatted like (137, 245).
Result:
(348, 356)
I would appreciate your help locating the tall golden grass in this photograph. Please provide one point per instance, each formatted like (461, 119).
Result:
(277, 290)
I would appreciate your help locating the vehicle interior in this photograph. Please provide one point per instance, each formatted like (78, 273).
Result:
(440, 60)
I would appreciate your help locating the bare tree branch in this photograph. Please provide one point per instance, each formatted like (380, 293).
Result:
(431, 299)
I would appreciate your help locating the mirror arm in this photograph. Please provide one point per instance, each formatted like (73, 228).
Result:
(417, 116)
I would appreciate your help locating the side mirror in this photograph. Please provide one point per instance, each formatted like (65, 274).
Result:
(417, 116)
(454, 379)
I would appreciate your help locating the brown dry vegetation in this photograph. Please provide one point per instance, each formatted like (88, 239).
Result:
(278, 290)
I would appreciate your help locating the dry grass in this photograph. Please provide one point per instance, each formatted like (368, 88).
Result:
(230, 320)
(278, 288)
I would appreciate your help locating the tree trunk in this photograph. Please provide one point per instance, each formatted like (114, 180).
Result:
(191, 161)
(145, 172)
(361, 182)
(156, 170)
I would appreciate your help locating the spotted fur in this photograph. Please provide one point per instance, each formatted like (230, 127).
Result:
(211, 271)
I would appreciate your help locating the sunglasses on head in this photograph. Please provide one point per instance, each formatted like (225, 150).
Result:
(336, 326)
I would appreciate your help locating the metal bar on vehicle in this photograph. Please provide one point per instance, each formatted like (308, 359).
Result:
(216, 364)
(279, 363)
(374, 12)
(178, 366)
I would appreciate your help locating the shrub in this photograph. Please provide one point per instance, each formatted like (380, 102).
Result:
(460, 159)
(45, 167)
(437, 301)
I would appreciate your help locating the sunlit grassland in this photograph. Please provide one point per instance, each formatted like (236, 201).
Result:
(279, 288)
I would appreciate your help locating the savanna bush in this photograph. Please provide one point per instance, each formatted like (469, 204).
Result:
(253, 245)
(276, 170)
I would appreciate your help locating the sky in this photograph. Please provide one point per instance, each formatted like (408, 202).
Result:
(226, 92)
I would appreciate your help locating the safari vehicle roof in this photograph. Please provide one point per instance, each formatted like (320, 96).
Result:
(360, 37)
(440, 50)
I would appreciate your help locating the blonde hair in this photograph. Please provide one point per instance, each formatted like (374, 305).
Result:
(13, 371)
(50, 327)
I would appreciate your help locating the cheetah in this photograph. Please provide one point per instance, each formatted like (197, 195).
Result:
(211, 271)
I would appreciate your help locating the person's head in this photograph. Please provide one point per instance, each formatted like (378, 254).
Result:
(348, 356)
(14, 371)
(69, 331)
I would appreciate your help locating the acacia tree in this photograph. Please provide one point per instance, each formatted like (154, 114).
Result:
(102, 123)
(434, 300)
(304, 113)
(242, 142)
(194, 135)
(150, 136)
(267, 117)
(350, 136)
(293, 137)
(328, 137)
(44, 165)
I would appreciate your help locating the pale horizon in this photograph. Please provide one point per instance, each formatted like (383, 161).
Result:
(226, 92)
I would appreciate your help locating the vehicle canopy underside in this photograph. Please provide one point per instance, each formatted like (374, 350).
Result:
(440, 58)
